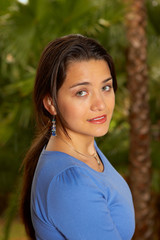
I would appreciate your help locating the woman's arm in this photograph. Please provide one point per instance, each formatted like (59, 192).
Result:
(78, 209)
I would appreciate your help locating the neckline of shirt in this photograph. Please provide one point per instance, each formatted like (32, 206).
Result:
(79, 161)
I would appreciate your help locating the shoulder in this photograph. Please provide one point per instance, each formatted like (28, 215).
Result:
(60, 168)
(75, 184)
(52, 163)
(58, 177)
(74, 177)
(65, 187)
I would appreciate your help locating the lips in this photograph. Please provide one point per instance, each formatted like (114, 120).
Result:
(98, 120)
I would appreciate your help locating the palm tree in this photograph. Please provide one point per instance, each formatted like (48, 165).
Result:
(139, 153)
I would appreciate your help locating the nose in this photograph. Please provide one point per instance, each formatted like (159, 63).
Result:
(98, 102)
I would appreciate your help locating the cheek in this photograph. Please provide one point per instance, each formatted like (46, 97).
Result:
(111, 103)
(69, 111)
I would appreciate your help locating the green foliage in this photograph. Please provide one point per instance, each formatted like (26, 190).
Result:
(153, 10)
(153, 30)
(10, 213)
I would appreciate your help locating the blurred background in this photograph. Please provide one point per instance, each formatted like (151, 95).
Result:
(130, 31)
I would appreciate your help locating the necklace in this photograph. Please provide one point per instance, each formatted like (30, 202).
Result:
(94, 155)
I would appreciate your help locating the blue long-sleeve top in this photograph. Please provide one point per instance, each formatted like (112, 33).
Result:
(70, 200)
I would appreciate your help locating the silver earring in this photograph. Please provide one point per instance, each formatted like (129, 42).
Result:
(54, 127)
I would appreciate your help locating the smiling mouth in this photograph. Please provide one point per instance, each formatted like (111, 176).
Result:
(98, 120)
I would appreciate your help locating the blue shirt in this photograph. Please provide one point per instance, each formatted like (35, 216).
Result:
(70, 200)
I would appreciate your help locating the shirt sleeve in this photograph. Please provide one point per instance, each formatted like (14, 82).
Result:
(78, 208)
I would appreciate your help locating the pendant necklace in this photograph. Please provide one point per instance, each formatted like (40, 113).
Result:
(94, 155)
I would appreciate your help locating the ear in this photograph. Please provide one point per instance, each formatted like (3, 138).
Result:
(49, 105)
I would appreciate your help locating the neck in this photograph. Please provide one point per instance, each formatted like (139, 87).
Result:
(83, 144)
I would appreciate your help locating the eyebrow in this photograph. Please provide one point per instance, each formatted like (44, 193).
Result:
(88, 83)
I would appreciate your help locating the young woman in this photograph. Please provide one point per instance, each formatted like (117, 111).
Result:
(70, 189)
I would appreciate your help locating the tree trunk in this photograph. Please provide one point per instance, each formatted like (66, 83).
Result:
(139, 153)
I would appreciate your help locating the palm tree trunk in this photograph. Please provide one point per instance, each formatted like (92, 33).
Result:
(139, 153)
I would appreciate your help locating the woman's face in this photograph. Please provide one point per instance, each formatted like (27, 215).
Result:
(86, 99)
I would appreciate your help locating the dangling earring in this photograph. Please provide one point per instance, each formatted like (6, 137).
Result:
(54, 127)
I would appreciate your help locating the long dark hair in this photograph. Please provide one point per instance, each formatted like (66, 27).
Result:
(50, 76)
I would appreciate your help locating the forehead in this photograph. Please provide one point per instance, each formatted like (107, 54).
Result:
(87, 70)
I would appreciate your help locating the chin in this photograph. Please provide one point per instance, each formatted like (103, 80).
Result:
(101, 133)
